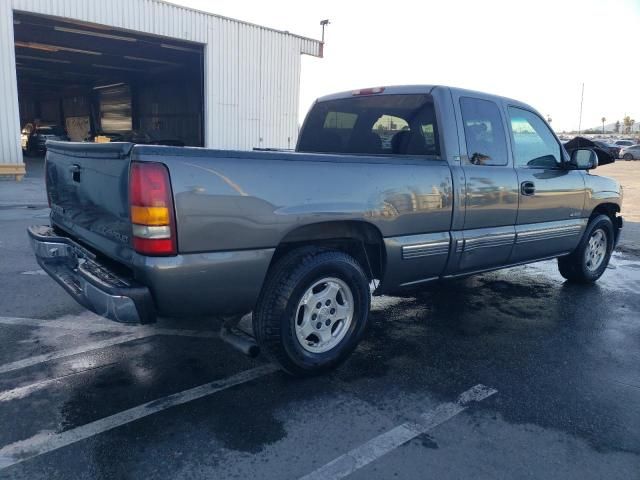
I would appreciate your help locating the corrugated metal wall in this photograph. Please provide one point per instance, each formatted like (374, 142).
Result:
(10, 149)
(252, 73)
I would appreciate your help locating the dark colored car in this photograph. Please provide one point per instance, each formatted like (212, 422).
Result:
(612, 149)
(36, 143)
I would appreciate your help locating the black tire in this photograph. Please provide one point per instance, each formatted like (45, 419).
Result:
(276, 312)
(574, 267)
(627, 156)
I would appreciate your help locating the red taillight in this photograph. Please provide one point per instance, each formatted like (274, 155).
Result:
(151, 209)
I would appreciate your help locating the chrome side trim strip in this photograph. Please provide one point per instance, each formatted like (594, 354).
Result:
(425, 249)
(485, 241)
(548, 233)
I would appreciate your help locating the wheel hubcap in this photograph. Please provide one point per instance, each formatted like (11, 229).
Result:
(596, 250)
(324, 315)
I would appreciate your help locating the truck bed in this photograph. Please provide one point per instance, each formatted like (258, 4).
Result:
(231, 200)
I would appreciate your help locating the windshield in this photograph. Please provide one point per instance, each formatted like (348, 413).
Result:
(373, 125)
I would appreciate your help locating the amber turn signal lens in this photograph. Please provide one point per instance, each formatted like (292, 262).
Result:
(149, 215)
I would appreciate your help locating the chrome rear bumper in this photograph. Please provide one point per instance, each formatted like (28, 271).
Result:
(89, 282)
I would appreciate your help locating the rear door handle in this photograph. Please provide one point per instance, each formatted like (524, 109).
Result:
(527, 188)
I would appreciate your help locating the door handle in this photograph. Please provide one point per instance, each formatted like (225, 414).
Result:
(527, 188)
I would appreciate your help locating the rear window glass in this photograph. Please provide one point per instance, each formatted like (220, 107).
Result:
(372, 125)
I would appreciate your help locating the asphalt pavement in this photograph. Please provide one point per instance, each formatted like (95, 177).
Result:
(510, 374)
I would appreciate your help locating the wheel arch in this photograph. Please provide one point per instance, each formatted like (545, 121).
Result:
(360, 239)
(611, 210)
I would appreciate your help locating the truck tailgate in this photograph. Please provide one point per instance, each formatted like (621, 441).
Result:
(87, 186)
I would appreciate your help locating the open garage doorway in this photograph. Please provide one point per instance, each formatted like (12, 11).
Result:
(86, 82)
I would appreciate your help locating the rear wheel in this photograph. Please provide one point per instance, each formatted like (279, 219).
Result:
(313, 310)
(590, 259)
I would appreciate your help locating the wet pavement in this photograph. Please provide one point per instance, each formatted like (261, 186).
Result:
(511, 374)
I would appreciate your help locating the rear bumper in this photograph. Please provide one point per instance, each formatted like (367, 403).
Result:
(89, 282)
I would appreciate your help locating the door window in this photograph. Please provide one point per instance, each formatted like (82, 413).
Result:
(483, 131)
(534, 145)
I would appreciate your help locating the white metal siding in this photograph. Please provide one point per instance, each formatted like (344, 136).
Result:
(10, 149)
(252, 73)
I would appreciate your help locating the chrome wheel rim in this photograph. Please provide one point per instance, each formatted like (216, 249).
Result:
(596, 250)
(324, 315)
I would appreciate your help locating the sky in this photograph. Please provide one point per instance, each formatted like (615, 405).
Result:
(539, 52)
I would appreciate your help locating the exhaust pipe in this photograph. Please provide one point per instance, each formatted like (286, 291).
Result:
(240, 341)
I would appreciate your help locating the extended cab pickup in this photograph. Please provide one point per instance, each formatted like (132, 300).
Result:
(388, 188)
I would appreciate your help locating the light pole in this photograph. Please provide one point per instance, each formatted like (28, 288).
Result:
(581, 101)
(323, 23)
(603, 120)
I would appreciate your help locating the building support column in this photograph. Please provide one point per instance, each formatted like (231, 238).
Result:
(11, 162)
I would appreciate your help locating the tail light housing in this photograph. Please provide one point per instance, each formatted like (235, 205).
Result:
(151, 209)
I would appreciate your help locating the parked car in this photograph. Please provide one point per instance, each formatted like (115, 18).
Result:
(624, 143)
(630, 153)
(36, 144)
(297, 238)
(614, 150)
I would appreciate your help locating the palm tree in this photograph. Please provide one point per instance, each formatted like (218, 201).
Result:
(628, 124)
(603, 120)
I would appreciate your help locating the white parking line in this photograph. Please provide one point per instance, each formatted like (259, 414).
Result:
(34, 272)
(26, 390)
(39, 444)
(382, 444)
(135, 333)
(29, 362)
(81, 323)
(85, 321)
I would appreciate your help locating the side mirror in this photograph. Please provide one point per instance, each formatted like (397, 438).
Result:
(583, 159)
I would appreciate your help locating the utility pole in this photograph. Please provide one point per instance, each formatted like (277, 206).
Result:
(581, 100)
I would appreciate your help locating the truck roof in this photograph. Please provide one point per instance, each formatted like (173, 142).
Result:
(423, 89)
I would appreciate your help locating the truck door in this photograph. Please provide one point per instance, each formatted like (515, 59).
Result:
(551, 198)
(491, 188)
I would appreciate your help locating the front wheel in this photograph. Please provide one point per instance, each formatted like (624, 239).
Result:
(589, 260)
(313, 310)
(627, 156)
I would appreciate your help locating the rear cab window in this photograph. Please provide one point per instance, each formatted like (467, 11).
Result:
(391, 124)
(484, 132)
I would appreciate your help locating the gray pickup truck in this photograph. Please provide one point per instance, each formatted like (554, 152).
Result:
(388, 188)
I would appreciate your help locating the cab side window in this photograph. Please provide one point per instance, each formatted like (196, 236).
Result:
(534, 145)
(483, 131)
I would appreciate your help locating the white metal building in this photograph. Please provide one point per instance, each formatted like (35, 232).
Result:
(98, 67)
